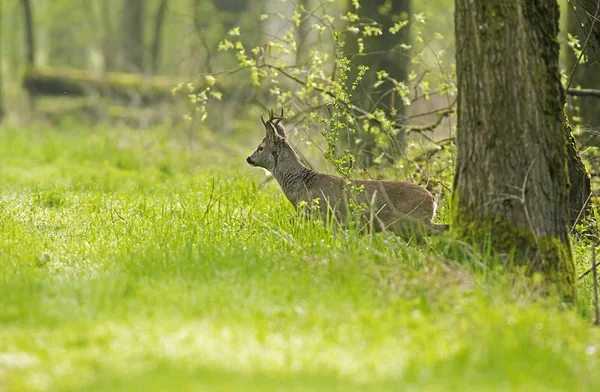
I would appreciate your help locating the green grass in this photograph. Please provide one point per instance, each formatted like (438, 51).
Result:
(130, 262)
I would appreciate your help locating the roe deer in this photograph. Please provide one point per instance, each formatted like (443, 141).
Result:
(401, 207)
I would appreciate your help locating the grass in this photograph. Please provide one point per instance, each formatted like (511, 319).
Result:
(129, 262)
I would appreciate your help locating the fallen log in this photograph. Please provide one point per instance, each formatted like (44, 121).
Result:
(93, 110)
(114, 85)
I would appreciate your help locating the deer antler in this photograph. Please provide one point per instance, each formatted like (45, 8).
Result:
(273, 119)
(277, 119)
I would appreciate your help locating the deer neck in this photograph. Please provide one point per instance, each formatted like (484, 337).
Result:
(293, 177)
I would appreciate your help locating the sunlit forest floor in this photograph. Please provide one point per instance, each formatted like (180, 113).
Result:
(130, 261)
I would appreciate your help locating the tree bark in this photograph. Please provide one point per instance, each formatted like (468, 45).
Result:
(580, 23)
(511, 188)
(381, 53)
(133, 36)
(156, 43)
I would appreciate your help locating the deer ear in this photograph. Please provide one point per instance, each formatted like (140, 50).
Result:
(279, 128)
(271, 133)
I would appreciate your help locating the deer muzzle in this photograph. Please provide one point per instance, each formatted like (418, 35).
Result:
(250, 161)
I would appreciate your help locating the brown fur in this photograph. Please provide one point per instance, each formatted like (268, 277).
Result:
(401, 207)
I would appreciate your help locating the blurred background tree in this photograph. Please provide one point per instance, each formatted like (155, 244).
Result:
(179, 38)
(132, 36)
(387, 44)
(583, 64)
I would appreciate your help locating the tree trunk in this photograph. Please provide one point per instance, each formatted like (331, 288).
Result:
(160, 18)
(133, 36)
(109, 48)
(511, 188)
(233, 6)
(381, 53)
(305, 35)
(29, 42)
(586, 75)
(228, 14)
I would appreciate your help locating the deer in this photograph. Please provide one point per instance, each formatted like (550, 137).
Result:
(403, 208)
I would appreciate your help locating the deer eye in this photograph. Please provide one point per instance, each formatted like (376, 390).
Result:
(260, 148)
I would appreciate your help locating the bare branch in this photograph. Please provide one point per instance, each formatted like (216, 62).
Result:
(430, 127)
(584, 92)
(587, 272)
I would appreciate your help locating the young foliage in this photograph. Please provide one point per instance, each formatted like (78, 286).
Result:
(311, 68)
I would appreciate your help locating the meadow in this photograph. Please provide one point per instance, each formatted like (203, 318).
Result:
(131, 260)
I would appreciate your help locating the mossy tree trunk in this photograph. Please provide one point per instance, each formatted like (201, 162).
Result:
(580, 23)
(511, 186)
(385, 52)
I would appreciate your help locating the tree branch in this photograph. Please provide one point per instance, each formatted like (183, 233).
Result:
(441, 114)
(430, 127)
(584, 92)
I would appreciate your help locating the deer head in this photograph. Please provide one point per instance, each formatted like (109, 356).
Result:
(268, 150)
